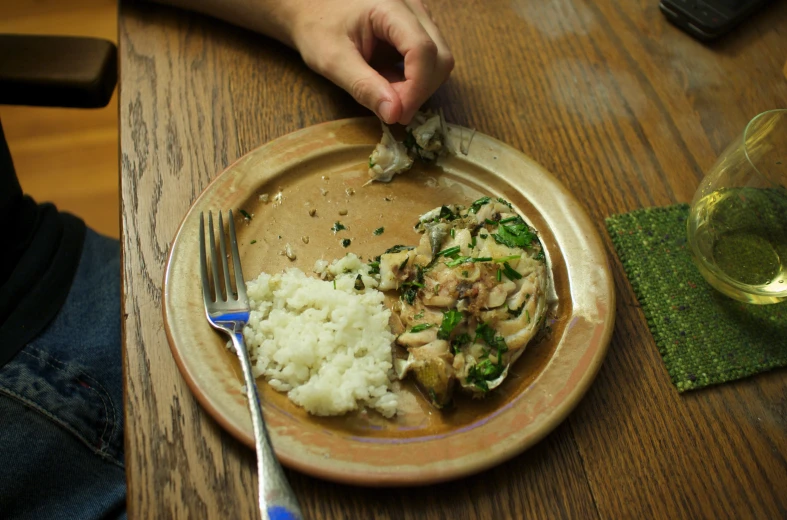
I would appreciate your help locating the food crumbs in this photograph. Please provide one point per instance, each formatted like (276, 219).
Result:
(305, 239)
(387, 199)
(264, 197)
(349, 191)
(326, 178)
(289, 252)
(312, 212)
(323, 192)
(338, 226)
(342, 212)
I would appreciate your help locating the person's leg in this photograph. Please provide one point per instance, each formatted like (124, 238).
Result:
(61, 417)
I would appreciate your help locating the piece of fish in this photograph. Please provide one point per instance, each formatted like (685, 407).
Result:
(388, 158)
(473, 296)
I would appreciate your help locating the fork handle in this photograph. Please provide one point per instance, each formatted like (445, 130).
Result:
(277, 501)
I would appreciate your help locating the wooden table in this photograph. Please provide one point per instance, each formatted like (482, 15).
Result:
(620, 106)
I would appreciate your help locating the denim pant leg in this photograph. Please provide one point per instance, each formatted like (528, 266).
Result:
(61, 398)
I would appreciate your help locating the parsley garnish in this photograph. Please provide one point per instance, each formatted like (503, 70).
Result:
(459, 341)
(346, 242)
(419, 315)
(245, 214)
(487, 333)
(338, 226)
(517, 235)
(398, 249)
(475, 206)
(379, 231)
(253, 242)
(499, 275)
(375, 266)
(451, 318)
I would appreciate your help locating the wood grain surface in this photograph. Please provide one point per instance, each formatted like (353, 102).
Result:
(620, 106)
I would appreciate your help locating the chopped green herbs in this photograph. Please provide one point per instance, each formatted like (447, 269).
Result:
(245, 214)
(506, 258)
(436, 288)
(458, 342)
(509, 219)
(490, 222)
(346, 242)
(451, 318)
(517, 235)
(338, 226)
(374, 267)
(453, 232)
(409, 294)
(404, 263)
(253, 242)
(499, 275)
(451, 252)
(371, 163)
(527, 315)
(510, 272)
(475, 206)
(398, 249)
(419, 315)
(379, 231)
(487, 333)
(472, 243)
(467, 259)
(465, 274)
(445, 213)
(421, 327)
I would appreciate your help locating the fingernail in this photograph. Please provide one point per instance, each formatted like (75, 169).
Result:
(385, 111)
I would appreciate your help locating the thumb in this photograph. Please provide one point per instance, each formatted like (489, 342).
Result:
(351, 72)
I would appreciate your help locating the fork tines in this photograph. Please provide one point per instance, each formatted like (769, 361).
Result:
(226, 292)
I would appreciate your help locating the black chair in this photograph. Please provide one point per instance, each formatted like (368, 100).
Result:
(57, 71)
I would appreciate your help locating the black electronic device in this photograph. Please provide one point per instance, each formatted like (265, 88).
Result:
(706, 20)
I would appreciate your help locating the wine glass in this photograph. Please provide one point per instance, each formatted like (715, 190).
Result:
(737, 226)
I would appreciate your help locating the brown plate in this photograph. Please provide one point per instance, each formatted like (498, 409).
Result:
(324, 168)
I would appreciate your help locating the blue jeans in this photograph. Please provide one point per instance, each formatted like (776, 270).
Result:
(61, 399)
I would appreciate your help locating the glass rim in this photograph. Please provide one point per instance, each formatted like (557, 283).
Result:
(751, 122)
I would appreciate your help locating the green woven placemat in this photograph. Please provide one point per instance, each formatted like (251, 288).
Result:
(704, 337)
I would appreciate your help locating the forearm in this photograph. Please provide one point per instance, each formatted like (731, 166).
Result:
(274, 18)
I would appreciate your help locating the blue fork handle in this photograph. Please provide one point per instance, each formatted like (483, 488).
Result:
(277, 501)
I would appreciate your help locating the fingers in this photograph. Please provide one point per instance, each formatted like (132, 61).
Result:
(346, 67)
(427, 60)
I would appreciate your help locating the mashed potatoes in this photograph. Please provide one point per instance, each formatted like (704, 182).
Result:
(326, 343)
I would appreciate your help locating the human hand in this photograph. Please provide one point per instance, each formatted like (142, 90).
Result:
(338, 38)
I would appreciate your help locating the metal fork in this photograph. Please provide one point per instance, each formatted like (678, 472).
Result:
(229, 313)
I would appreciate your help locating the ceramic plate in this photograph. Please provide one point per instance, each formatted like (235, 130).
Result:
(323, 168)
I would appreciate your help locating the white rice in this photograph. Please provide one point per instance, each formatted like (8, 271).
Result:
(323, 342)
